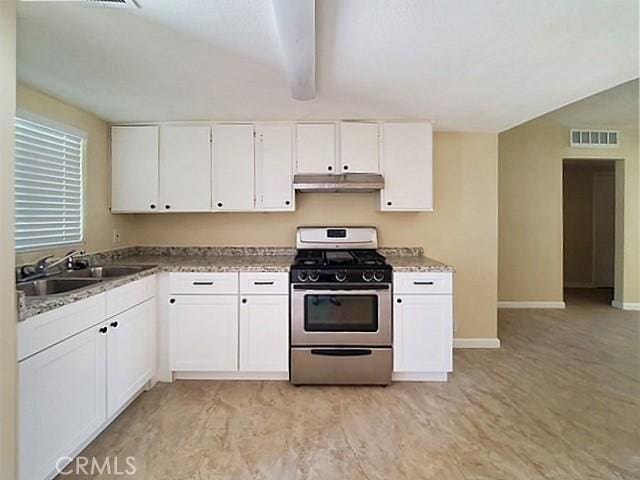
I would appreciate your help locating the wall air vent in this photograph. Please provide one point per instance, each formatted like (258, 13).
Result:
(594, 138)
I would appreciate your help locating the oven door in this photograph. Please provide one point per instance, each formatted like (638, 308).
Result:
(345, 315)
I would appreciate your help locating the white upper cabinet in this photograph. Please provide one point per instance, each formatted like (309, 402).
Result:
(274, 167)
(233, 167)
(315, 148)
(185, 168)
(134, 169)
(359, 152)
(407, 166)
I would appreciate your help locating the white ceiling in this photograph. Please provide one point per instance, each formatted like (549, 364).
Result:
(466, 64)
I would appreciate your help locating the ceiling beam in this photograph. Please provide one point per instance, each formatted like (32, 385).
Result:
(296, 25)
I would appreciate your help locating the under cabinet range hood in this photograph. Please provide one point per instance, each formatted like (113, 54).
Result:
(348, 182)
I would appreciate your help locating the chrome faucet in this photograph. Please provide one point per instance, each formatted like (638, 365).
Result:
(43, 265)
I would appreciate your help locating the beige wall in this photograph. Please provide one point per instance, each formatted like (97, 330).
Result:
(99, 223)
(530, 211)
(8, 365)
(462, 230)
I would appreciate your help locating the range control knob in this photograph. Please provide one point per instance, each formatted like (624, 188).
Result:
(303, 276)
(367, 276)
(378, 275)
(314, 276)
(341, 276)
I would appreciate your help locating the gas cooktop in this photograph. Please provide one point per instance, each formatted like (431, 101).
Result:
(339, 258)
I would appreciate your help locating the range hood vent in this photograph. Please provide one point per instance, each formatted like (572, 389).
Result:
(348, 182)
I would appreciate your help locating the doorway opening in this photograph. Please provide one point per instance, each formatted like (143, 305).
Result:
(589, 213)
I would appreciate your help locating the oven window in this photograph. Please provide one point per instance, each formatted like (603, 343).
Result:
(341, 313)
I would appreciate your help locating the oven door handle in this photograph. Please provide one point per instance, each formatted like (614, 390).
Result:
(341, 352)
(342, 288)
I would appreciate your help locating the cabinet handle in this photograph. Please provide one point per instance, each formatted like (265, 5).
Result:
(152, 206)
(102, 330)
(114, 324)
(329, 168)
(172, 300)
(219, 204)
(399, 300)
(167, 207)
(287, 202)
(423, 283)
(210, 282)
(345, 167)
(389, 204)
(263, 283)
(244, 300)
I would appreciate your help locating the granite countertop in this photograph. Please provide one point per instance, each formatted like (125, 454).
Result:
(417, 263)
(204, 259)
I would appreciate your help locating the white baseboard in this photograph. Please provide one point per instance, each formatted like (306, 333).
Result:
(625, 305)
(579, 285)
(231, 375)
(420, 376)
(476, 343)
(531, 305)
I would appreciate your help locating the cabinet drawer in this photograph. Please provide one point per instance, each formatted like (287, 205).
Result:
(39, 332)
(264, 283)
(424, 283)
(129, 295)
(224, 283)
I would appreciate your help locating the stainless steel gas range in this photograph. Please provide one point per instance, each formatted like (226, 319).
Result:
(341, 320)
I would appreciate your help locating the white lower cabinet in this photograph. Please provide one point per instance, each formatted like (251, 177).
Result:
(422, 333)
(224, 336)
(422, 327)
(129, 354)
(70, 390)
(62, 396)
(204, 332)
(264, 333)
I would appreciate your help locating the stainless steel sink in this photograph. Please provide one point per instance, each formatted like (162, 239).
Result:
(108, 271)
(54, 286)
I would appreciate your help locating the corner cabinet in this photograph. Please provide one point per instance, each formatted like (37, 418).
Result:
(407, 167)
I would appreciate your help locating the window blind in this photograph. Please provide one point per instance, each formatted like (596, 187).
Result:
(48, 186)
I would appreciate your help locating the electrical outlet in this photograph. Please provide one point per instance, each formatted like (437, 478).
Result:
(116, 236)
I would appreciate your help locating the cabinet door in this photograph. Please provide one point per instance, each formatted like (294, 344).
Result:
(407, 166)
(315, 148)
(185, 169)
(233, 170)
(129, 350)
(422, 333)
(134, 169)
(61, 401)
(274, 167)
(359, 147)
(264, 333)
(204, 333)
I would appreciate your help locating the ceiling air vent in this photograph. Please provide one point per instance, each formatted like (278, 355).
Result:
(100, 3)
(594, 138)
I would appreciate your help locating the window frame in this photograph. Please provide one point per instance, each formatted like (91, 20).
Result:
(71, 130)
